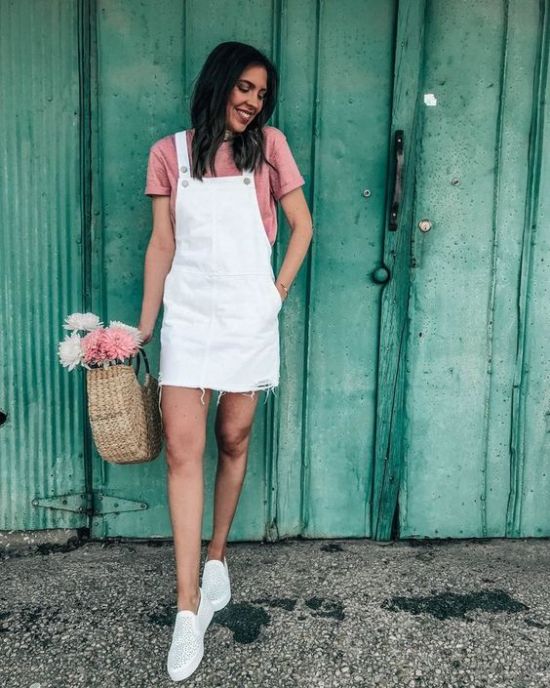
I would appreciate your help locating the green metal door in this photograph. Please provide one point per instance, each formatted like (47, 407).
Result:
(477, 405)
(311, 458)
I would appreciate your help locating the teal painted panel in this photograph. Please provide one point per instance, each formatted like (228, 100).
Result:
(351, 136)
(529, 503)
(444, 489)
(140, 99)
(41, 444)
(296, 117)
(474, 180)
(511, 189)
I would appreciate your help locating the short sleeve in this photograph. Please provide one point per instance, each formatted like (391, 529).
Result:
(157, 182)
(286, 176)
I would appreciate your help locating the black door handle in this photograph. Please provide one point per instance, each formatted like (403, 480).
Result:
(397, 188)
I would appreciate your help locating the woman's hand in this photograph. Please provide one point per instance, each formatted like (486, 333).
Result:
(281, 291)
(146, 333)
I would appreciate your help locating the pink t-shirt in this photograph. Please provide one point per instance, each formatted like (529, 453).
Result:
(271, 184)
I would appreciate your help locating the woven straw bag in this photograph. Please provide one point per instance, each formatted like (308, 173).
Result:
(124, 414)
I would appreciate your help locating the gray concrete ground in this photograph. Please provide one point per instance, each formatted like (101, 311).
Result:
(304, 613)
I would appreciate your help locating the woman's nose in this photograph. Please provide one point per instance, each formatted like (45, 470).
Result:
(254, 101)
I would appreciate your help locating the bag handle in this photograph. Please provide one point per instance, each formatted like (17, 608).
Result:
(138, 359)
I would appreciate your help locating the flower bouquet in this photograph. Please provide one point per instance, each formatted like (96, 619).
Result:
(124, 414)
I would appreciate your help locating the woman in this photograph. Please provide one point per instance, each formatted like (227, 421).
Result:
(214, 190)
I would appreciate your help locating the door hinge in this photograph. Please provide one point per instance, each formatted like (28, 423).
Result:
(109, 504)
(95, 503)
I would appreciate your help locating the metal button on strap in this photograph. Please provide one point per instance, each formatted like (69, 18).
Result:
(246, 180)
(183, 169)
(185, 183)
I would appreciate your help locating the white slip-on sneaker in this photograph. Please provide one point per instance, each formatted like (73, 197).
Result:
(215, 583)
(187, 648)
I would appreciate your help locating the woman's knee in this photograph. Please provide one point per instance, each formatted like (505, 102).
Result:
(184, 449)
(233, 439)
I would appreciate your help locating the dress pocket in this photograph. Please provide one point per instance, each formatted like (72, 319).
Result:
(277, 295)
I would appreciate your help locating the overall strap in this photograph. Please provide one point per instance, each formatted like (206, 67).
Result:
(182, 153)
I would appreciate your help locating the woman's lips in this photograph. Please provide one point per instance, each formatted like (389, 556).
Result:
(243, 115)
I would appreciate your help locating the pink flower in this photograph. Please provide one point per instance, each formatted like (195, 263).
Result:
(108, 344)
(93, 346)
(119, 343)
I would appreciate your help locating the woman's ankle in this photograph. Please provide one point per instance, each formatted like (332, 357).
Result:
(189, 601)
(215, 551)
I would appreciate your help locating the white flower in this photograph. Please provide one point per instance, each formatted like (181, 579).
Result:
(136, 334)
(70, 352)
(82, 321)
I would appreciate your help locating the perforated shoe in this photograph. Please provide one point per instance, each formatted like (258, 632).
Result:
(216, 583)
(187, 648)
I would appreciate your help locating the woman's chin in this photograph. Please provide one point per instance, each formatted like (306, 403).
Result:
(238, 127)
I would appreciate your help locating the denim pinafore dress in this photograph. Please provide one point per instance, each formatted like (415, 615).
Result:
(220, 327)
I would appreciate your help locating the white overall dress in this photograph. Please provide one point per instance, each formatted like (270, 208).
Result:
(220, 328)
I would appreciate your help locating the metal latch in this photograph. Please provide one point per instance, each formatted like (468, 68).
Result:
(398, 181)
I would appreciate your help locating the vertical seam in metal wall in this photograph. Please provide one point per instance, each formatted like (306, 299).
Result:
(184, 70)
(415, 146)
(271, 442)
(85, 8)
(98, 293)
(492, 290)
(314, 167)
(371, 514)
(517, 453)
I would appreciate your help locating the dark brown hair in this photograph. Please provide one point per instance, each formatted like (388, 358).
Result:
(219, 74)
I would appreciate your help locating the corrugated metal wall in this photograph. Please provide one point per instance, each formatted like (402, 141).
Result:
(448, 427)
(41, 444)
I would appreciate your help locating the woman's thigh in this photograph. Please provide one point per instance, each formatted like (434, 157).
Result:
(184, 414)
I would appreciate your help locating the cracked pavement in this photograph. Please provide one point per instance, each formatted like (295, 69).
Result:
(312, 613)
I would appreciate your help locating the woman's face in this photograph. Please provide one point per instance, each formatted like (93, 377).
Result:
(246, 99)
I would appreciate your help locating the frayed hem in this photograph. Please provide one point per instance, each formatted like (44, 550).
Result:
(161, 384)
(221, 392)
(269, 388)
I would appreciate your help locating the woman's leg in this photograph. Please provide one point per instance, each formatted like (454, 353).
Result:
(234, 418)
(184, 419)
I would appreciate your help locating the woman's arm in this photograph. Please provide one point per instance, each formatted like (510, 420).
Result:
(301, 226)
(158, 261)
